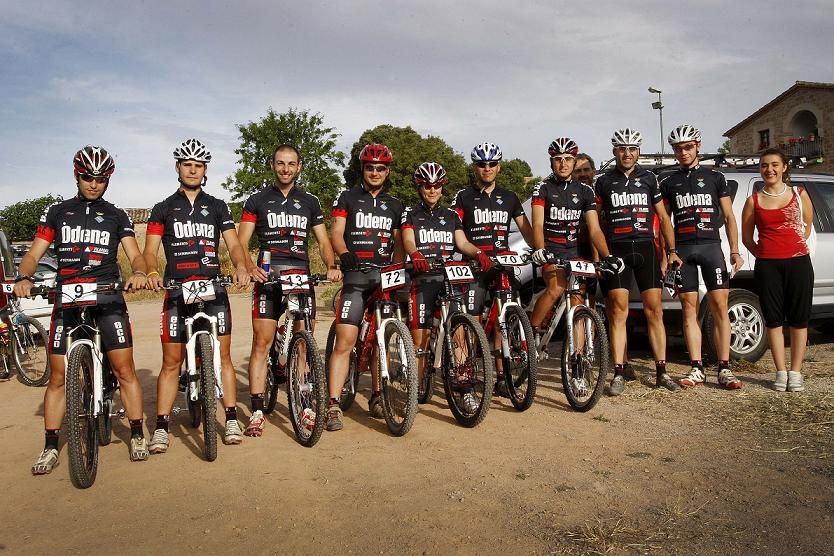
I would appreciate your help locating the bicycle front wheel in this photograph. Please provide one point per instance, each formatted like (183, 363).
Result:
(468, 369)
(399, 390)
(584, 371)
(520, 368)
(208, 397)
(30, 353)
(306, 389)
(82, 439)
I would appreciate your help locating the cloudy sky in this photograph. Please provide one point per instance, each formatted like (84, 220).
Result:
(140, 78)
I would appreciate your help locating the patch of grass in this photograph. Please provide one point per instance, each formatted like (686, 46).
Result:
(602, 418)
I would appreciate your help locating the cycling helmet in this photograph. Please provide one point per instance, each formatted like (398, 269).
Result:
(626, 137)
(563, 145)
(486, 151)
(93, 161)
(430, 172)
(192, 149)
(376, 153)
(684, 133)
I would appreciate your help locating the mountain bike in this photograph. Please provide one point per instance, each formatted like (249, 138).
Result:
(519, 364)
(383, 335)
(294, 355)
(22, 342)
(585, 352)
(458, 347)
(90, 383)
(203, 380)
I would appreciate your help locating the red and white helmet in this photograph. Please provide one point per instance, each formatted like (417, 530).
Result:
(430, 172)
(684, 133)
(93, 161)
(192, 149)
(627, 137)
(376, 153)
(562, 145)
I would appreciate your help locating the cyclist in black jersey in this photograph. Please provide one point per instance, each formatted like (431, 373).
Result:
(628, 198)
(87, 232)
(431, 230)
(366, 227)
(283, 216)
(188, 225)
(700, 205)
(559, 205)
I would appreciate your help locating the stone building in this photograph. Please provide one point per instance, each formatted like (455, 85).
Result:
(800, 121)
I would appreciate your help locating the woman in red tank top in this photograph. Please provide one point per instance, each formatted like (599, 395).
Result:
(783, 271)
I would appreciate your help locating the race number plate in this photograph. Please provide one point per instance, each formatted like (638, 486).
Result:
(198, 290)
(459, 272)
(80, 293)
(583, 268)
(393, 277)
(294, 281)
(509, 258)
(8, 287)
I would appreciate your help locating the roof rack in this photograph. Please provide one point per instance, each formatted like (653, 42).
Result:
(659, 162)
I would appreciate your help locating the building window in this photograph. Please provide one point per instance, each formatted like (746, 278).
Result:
(764, 139)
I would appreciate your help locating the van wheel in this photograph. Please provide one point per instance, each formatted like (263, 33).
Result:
(748, 336)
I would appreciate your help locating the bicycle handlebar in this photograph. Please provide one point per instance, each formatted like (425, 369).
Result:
(173, 283)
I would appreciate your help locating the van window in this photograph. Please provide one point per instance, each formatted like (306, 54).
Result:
(733, 185)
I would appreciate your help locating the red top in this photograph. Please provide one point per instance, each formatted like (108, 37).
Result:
(780, 230)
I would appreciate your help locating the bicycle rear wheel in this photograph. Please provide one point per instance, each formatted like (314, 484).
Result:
(468, 370)
(399, 390)
(208, 397)
(584, 372)
(306, 389)
(81, 422)
(30, 353)
(520, 368)
(425, 388)
(351, 385)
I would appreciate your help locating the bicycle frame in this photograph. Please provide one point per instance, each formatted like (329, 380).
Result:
(440, 330)
(191, 352)
(572, 288)
(74, 343)
(503, 298)
(376, 329)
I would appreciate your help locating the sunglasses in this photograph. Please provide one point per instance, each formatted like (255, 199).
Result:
(98, 179)
(491, 164)
(623, 150)
(373, 168)
(563, 158)
(680, 147)
(431, 186)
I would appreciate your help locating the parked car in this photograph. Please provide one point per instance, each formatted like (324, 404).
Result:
(38, 307)
(748, 334)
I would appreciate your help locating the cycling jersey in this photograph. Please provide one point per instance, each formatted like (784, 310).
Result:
(283, 224)
(369, 223)
(564, 203)
(434, 229)
(87, 236)
(190, 233)
(628, 203)
(694, 196)
(486, 216)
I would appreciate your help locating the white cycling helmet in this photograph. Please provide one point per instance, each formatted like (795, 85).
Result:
(627, 137)
(562, 145)
(192, 149)
(684, 133)
(430, 172)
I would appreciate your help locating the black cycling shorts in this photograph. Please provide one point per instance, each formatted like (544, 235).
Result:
(357, 287)
(641, 265)
(422, 303)
(175, 311)
(710, 259)
(111, 317)
(786, 289)
(268, 301)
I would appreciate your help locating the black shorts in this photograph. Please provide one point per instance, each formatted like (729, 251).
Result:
(786, 289)
(641, 265)
(268, 301)
(357, 287)
(111, 318)
(710, 259)
(175, 311)
(422, 303)
(563, 253)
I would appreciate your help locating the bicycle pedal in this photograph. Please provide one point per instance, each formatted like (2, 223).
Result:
(176, 410)
(120, 414)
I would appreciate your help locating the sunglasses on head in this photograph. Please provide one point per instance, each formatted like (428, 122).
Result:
(431, 185)
(374, 168)
(490, 164)
(98, 179)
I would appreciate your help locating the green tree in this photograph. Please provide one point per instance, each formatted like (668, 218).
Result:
(410, 149)
(315, 141)
(20, 220)
(725, 147)
(516, 175)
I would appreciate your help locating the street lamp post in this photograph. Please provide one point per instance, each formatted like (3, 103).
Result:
(659, 107)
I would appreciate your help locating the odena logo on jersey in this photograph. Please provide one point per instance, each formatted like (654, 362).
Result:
(688, 199)
(284, 220)
(192, 229)
(434, 236)
(484, 216)
(364, 220)
(563, 213)
(629, 199)
(84, 235)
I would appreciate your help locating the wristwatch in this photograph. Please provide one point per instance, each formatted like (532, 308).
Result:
(22, 277)
(670, 251)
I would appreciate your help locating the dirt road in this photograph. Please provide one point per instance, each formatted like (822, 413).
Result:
(703, 471)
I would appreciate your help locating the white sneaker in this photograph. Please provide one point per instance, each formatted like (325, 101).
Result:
(781, 382)
(795, 382)
(138, 448)
(46, 462)
(695, 378)
(159, 442)
(256, 424)
(233, 433)
(470, 403)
